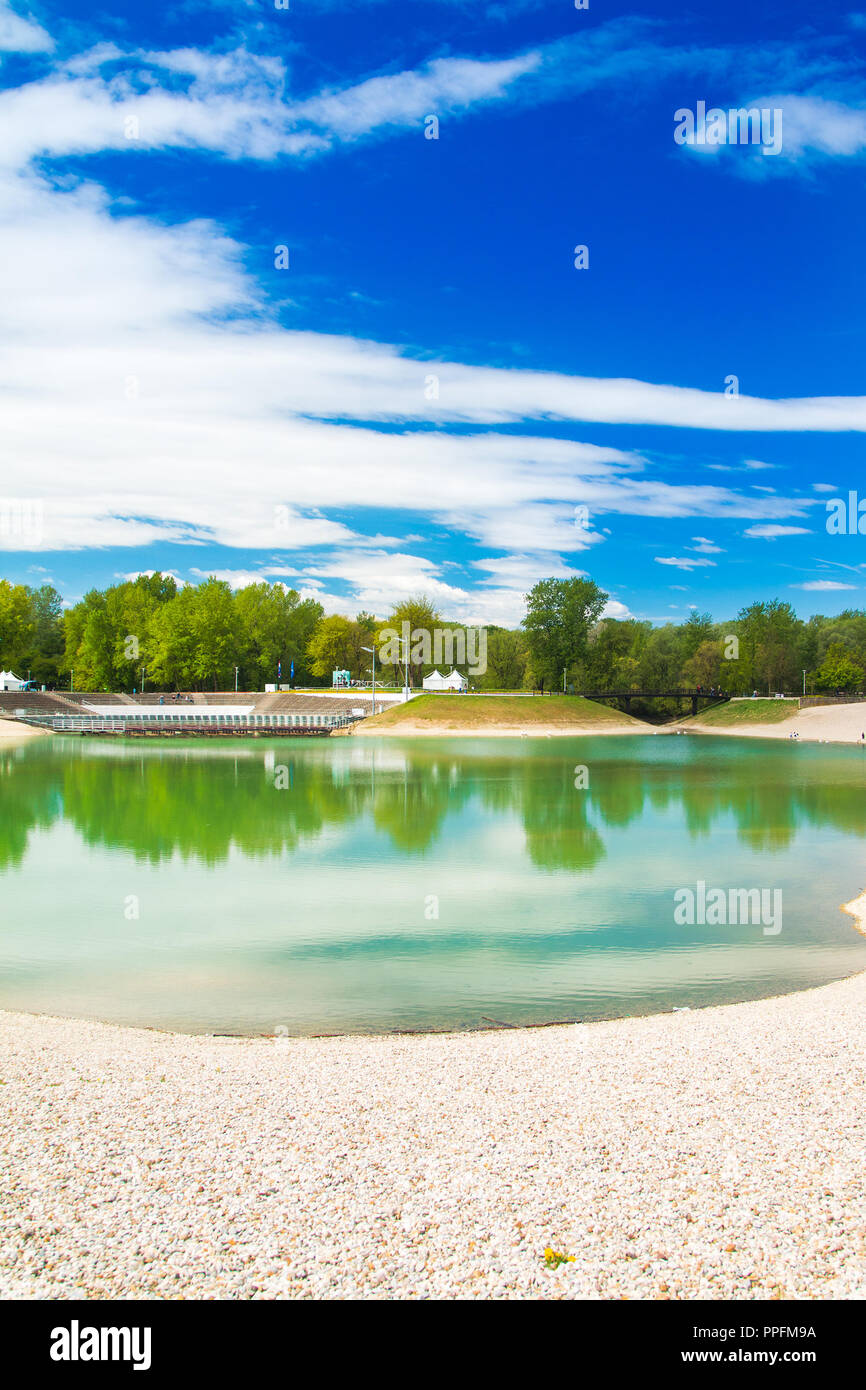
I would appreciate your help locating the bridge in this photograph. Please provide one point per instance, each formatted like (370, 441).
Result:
(715, 697)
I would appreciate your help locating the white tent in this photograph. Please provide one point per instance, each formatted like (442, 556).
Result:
(435, 681)
(9, 681)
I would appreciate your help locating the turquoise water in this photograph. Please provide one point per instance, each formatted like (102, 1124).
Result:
(314, 886)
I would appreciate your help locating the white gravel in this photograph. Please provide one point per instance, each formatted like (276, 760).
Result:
(709, 1154)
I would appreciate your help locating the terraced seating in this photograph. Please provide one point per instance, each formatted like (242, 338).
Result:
(97, 697)
(287, 702)
(36, 702)
(283, 702)
(197, 697)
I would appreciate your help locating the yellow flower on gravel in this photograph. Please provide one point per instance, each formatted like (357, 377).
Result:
(554, 1258)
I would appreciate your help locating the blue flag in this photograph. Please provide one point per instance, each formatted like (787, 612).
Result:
(292, 672)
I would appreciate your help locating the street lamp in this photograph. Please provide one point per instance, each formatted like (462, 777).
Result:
(405, 650)
(236, 680)
(372, 651)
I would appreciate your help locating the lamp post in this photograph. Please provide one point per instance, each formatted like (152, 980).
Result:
(404, 641)
(236, 680)
(372, 651)
(804, 682)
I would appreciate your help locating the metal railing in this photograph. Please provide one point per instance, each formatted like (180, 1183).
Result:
(200, 723)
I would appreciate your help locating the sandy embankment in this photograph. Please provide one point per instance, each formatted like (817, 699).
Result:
(819, 724)
(427, 729)
(13, 732)
(708, 1154)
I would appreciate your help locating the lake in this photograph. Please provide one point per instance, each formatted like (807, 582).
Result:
(356, 885)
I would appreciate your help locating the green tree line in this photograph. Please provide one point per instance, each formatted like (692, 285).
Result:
(31, 631)
(192, 637)
(765, 647)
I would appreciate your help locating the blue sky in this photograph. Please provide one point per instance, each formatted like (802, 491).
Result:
(431, 397)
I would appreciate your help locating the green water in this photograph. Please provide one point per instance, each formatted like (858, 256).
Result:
(312, 886)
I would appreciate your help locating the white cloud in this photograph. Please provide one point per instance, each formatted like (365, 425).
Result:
(19, 35)
(682, 562)
(405, 98)
(523, 571)
(773, 532)
(148, 574)
(823, 585)
(614, 609)
(232, 103)
(747, 466)
(809, 129)
(377, 580)
(238, 579)
(815, 127)
(140, 412)
(705, 546)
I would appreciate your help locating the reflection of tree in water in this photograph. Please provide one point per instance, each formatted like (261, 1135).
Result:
(411, 806)
(769, 811)
(767, 816)
(204, 807)
(558, 833)
(27, 802)
(160, 802)
(618, 800)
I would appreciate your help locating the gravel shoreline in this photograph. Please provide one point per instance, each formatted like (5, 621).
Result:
(708, 1154)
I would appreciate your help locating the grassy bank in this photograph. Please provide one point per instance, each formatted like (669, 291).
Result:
(748, 712)
(489, 713)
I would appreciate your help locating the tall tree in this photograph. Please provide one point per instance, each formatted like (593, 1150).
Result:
(839, 670)
(17, 624)
(47, 642)
(407, 658)
(770, 636)
(506, 660)
(559, 616)
(331, 647)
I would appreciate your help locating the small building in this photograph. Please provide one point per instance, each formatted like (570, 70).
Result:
(341, 679)
(9, 681)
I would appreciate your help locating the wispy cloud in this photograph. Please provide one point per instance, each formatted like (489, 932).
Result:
(823, 586)
(705, 546)
(772, 532)
(682, 562)
(19, 35)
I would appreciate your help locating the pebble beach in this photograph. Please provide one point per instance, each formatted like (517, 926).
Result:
(715, 1153)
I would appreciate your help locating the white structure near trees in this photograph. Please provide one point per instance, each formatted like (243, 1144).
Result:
(436, 681)
(9, 681)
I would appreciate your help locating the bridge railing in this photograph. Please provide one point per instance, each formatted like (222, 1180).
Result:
(656, 694)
